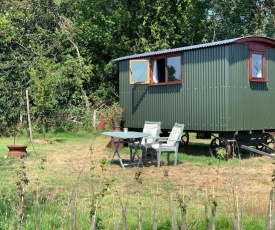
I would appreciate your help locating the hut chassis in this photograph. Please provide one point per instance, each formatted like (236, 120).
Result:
(261, 140)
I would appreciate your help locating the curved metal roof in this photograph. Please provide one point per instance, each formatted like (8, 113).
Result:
(175, 50)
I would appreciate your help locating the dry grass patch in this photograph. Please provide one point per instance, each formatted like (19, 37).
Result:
(66, 174)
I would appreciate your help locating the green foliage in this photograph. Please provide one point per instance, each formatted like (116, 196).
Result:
(61, 50)
(7, 202)
(110, 116)
(137, 177)
(221, 153)
(236, 18)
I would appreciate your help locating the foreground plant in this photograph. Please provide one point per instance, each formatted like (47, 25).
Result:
(210, 207)
(183, 209)
(270, 223)
(36, 205)
(104, 185)
(155, 217)
(21, 185)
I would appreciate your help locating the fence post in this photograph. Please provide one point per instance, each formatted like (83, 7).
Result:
(29, 116)
(172, 211)
(155, 218)
(94, 119)
(270, 215)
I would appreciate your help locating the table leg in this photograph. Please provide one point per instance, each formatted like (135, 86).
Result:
(132, 156)
(146, 150)
(159, 155)
(116, 152)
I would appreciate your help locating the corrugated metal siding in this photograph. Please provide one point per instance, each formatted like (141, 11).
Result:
(198, 103)
(215, 96)
(237, 86)
(270, 56)
(144, 103)
(205, 79)
(249, 102)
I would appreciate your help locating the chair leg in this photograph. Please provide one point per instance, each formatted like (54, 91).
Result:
(159, 154)
(144, 155)
(152, 157)
(176, 158)
(131, 155)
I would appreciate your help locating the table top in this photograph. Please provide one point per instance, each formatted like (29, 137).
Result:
(127, 135)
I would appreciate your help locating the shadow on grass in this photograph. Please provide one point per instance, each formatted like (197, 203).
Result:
(202, 149)
(195, 152)
(246, 154)
(50, 141)
(195, 149)
(58, 140)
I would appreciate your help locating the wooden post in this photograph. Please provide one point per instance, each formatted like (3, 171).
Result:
(94, 119)
(29, 117)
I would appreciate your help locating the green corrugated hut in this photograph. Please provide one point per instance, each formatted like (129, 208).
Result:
(225, 87)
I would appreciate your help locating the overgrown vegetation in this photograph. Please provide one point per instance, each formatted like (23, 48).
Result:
(61, 50)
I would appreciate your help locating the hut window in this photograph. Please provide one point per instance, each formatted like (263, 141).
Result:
(139, 71)
(257, 66)
(166, 70)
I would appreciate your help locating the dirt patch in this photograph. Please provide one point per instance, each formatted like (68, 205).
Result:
(41, 141)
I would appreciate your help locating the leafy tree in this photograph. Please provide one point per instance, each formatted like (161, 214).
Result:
(12, 64)
(61, 50)
(160, 24)
(36, 43)
(235, 18)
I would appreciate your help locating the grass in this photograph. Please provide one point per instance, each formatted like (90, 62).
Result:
(65, 177)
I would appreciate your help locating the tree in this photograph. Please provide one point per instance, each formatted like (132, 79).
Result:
(62, 50)
(235, 18)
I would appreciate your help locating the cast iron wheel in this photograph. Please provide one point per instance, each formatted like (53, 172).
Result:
(268, 143)
(234, 148)
(184, 139)
(216, 144)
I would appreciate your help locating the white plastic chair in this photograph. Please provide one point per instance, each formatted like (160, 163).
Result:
(153, 128)
(169, 144)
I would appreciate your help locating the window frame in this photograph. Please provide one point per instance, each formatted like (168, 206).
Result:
(131, 72)
(149, 62)
(260, 50)
(152, 59)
